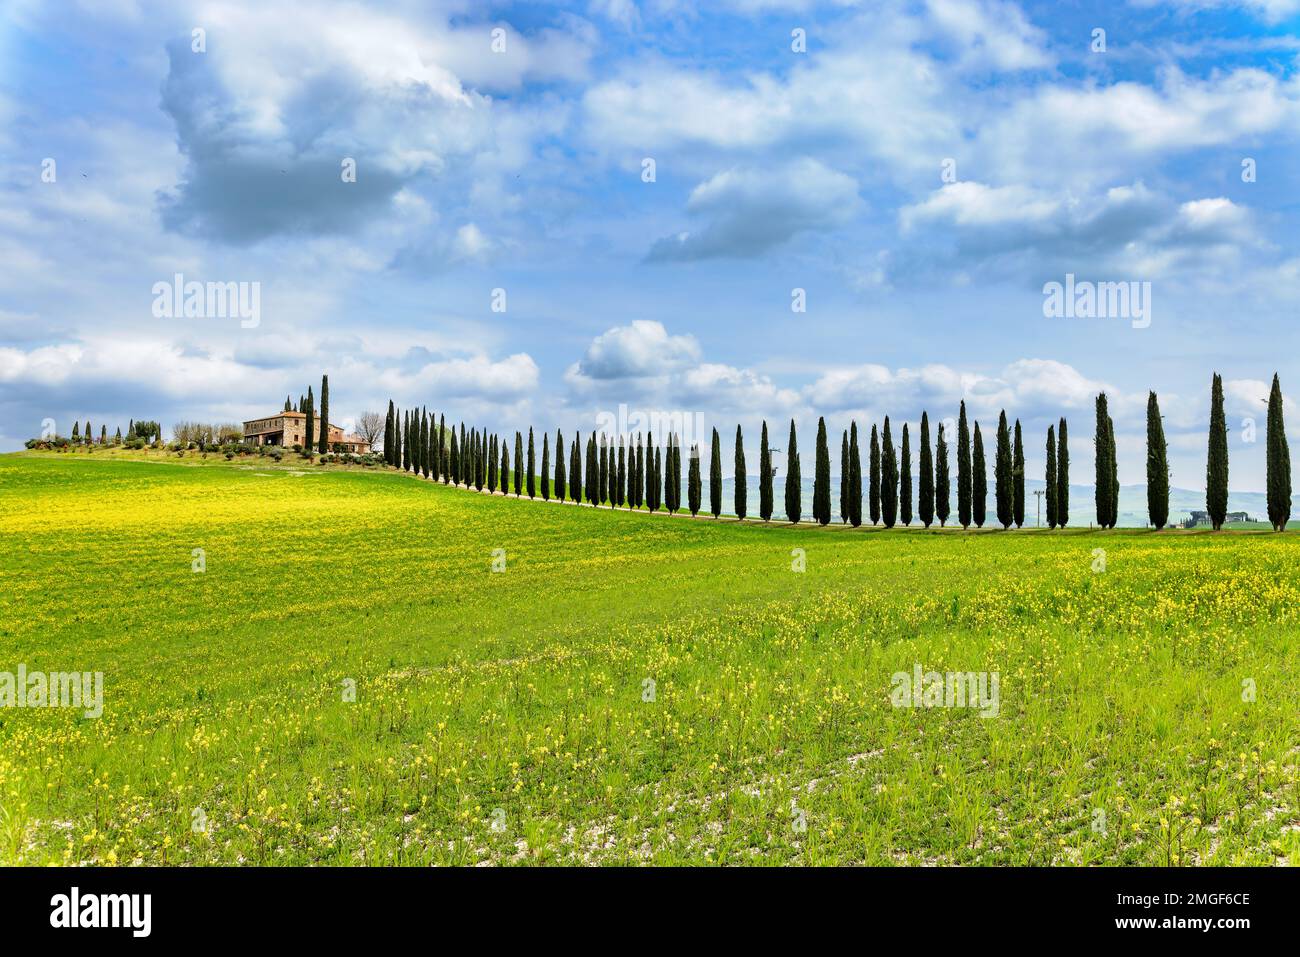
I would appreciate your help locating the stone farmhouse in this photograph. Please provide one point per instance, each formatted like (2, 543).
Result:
(290, 429)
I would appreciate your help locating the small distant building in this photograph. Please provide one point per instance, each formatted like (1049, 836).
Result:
(290, 429)
(1200, 517)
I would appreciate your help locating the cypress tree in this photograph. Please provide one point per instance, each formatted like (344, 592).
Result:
(592, 488)
(1002, 473)
(1113, 460)
(844, 477)
(546, 467)
(1062, 475)
(388, 431)
(492, 465)
(444, 450)
(1216, 466)
(979, 483)
(963, 468)
(620, 480)
(822, 478)
(637, 488)
(1049, 478)
(560, 488)
(1101, 441)
(324, 413)
(1278, 462)
(888, 478)
(454, 458)
(855, 477)
(905, 482)
(1018, 476)
(426, 446)
(764, 476)
(715, 476)
(793, 493)
(873, 477)
(742, 489)
(117, 439)
(519, 465)
(942, 496)
(660, 480)
(1157, 466)
(925, 477)
(76, 432)
(575, 468)
(677, 473)
(309, 436)
(602, 482)
(693, 490)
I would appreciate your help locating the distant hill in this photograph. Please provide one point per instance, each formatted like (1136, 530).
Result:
(1132, 501)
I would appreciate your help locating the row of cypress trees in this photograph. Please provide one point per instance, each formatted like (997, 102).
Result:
(638, 473)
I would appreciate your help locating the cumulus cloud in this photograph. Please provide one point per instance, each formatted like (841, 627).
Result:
(1126, 231)
(749, 211)
(267, 116)
(642, 349)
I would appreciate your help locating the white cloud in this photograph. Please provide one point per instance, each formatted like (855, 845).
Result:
(642, 349)
(751, 210)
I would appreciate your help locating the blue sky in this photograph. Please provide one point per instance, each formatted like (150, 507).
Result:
(523, 170)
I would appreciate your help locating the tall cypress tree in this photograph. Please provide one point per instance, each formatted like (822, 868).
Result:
(1049, 478)
(942, 493)
(979, 483)
(873, 477)
(742, 489)
(505, 468)
(764, 476)
(715, 476)
(844, 477)
(1101, 440)
(1157, 465)
(963, 468)
(560, 488)
(602, 486)
(1062, 475)
(388, 431)
(492, 465)
(310, 436)
(575, 469)
(593, 472)
(1278, 461)
(925, 475)
(693, 490)
(676, 473)
(822, 477)
(905, 482)
(855, 477)
(519, 482)
(546, 468)
(444, 448)
(324, 413)
(453, 457)
(1216, 466)
(1018, 477)
(1113, 460)
(1002, 473)
(793, 492)
(620, 482)
(888, 478)
(659, 477)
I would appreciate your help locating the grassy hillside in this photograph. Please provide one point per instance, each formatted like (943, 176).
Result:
(510, 716)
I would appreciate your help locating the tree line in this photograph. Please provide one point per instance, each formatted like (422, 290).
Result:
(638, 472)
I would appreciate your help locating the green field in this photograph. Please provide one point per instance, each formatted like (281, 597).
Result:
(503, 717)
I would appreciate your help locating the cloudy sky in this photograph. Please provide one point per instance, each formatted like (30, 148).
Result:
(644, 187)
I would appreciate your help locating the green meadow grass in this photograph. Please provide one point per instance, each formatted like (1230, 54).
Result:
(631, 689)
